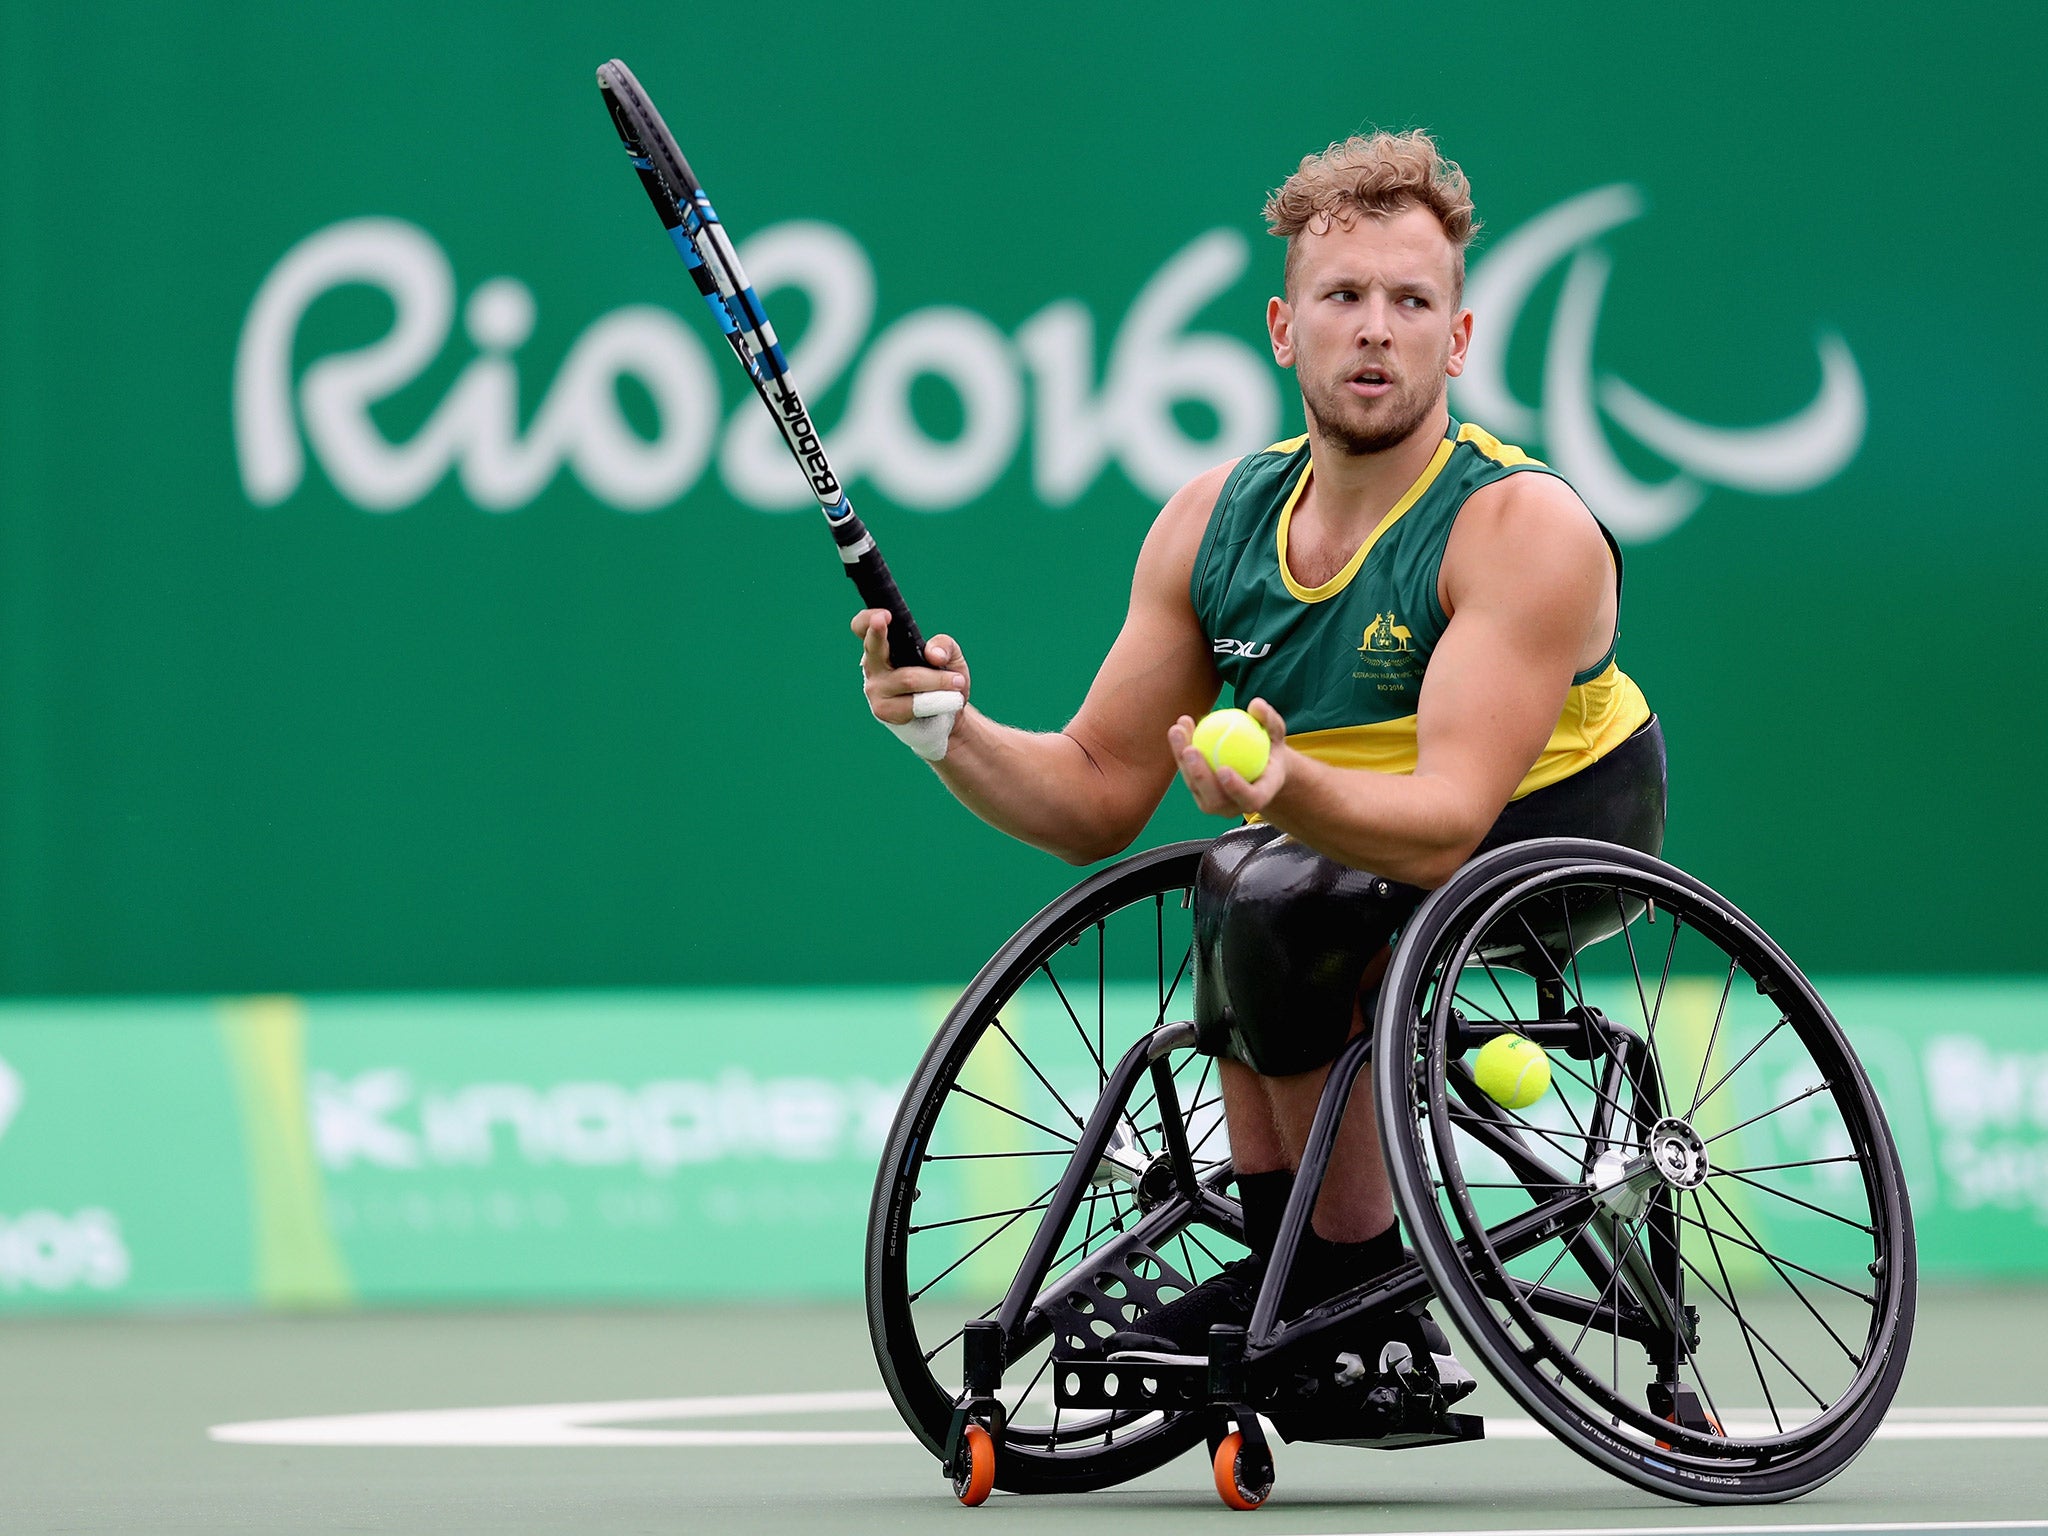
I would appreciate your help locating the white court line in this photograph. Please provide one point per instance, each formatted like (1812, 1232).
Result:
(1734, 1530)
(611, 1424)
(578, 1424)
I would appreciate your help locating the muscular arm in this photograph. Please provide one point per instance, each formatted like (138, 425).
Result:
(1084, 792)
(1528, 583)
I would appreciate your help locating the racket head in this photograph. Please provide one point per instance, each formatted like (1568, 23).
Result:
(646, 136)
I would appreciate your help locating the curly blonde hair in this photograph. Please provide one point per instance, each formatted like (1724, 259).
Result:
(1376, 175)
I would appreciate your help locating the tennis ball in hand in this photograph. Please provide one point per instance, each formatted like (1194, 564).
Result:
(1512, 1071)
(1232, 739)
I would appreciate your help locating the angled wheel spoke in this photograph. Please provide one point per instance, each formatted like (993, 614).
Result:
(1570, 1244)
(1571, 946)
(1004, 1109)
(1022, 1056)
(1798, 1098)
(1166, 999)
(1748, 1342)
(1782, 1264)
(1713, 1037)
(1191, 1237)
(1094, 1051)
(1818, 1210)
(1552, 1134)
(1751, 1336)
(1664, 979)
(1723, 1078)
(1600, 1095)
(962, 1221)
(1612, 1288)
(1505, 1001)
(918, 1294)
(1634, 966)
(1804, 1162)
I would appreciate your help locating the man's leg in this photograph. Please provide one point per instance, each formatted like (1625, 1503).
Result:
(1356, 1202)
(1295, 942)
(1352, 1233)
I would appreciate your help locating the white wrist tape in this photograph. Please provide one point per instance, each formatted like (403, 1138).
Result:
(934, 715)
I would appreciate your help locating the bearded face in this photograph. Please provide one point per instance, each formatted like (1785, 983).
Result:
(1371, 327)
(1373, 406)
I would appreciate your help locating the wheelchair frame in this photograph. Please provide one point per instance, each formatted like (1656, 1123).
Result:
(1259, 1370)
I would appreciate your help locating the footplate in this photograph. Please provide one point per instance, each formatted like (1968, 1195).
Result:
(1369, 1429)
(1138, 1384)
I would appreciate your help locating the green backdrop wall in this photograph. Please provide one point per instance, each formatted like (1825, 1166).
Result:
(396, 591)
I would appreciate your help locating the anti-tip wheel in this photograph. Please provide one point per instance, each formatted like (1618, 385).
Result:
(1230, 1475)
(975, 1475)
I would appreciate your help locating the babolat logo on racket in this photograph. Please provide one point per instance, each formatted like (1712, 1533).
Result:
(809, 448)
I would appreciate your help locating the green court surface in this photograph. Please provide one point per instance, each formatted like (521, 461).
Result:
(170, 1424)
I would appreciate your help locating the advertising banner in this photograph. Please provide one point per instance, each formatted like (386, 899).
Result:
(330, 1151)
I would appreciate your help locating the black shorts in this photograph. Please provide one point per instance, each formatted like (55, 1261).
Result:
(1283, 935)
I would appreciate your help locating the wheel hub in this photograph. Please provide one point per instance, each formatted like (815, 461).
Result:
(1678, 1153)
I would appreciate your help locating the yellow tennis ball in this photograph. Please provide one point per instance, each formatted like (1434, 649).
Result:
(1232, 739)
(1512, 1071)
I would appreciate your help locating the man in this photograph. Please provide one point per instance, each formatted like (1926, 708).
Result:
(1430, 613)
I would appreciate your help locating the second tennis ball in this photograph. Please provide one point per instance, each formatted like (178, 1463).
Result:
(1232, 739)
(1512, 1071)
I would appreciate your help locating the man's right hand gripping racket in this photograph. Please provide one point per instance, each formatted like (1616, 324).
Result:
(701, 241)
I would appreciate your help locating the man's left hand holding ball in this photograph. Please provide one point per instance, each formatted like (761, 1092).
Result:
(1222, 791)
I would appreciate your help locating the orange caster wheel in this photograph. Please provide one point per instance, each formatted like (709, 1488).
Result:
(975, 1475)
(1230, 1475)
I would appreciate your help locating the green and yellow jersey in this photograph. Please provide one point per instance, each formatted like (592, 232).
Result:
(1343, 662)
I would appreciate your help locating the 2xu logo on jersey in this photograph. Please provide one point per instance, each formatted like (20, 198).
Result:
(1247, 650)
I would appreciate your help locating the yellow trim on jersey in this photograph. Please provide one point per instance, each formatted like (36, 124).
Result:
(1597, 717)
(1506, 455)
(1385, 746)
(1342, 579)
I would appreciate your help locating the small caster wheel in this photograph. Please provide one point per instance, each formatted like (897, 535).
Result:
(1230, 1475)
(974, 1474)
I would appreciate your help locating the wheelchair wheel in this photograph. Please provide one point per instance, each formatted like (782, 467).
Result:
(1692, 1259)
(985, 1131)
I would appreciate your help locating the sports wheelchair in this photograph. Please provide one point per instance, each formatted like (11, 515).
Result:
(1691, 1260)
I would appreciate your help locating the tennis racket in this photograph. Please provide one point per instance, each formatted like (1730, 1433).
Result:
(686, 213)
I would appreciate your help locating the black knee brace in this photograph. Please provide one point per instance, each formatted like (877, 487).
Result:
(1282, 939)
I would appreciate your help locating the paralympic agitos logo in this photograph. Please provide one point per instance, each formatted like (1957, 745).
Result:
(1781, 458)
(1041, 391)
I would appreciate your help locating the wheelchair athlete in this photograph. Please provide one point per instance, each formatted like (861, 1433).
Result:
(1425, 620)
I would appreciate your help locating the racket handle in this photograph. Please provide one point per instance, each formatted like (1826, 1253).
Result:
(870, 573)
